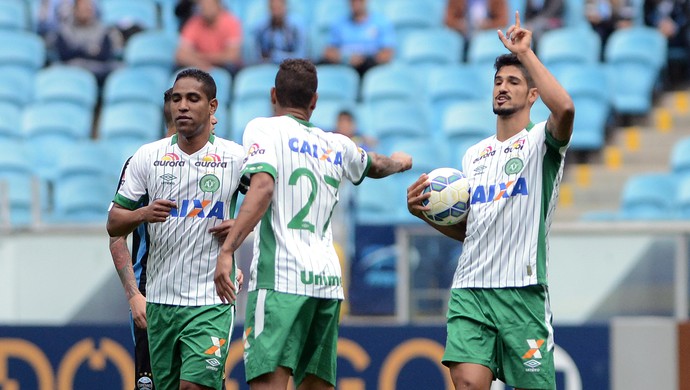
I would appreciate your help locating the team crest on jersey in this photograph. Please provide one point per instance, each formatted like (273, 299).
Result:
(513, 166)
(209, 183)
(211, 160)
(169, 160)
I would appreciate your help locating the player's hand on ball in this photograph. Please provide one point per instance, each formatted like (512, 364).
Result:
(158, 210)
(415, 196)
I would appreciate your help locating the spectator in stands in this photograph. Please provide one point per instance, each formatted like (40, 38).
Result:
(543, 15)
(84, 41)
(346, 125)
(211, 38)
(605, 16)
(52, 14)
(466, 16)
(280, 37)
(362, 39)
(671, 18)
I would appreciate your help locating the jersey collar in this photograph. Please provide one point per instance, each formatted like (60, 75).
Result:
(173, 140)
(306, 123)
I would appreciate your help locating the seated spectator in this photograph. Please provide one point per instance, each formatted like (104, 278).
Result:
(345, 125)
(606, 16)
(466, 16)
(362, 40)
(211, 38)
(84, 41)
(542, 15)
(52, 14)
(671, 18)
(279, 37)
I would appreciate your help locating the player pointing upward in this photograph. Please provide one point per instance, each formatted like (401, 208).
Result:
(499, 319)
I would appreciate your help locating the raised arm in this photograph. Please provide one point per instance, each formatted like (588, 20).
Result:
(560, 123)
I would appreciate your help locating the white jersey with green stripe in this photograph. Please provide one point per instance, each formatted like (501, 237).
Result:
(514, 190)
(293, 242)
(183, 254)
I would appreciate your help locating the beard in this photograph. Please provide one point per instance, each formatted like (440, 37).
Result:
(506, 111)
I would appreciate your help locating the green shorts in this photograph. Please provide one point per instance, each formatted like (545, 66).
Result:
(293, 331)
(507, 330)
(189, 343)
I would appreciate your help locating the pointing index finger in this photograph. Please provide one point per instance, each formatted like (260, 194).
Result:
(517, 18)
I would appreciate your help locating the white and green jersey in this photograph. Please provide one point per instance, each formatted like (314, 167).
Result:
(293, 245)
(182, 253)
(514, 189)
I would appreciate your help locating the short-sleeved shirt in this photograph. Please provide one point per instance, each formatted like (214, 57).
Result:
(514, 193)
(182, 254)
(293, 243)
(366, 38)
(276, 44)
(225, 31)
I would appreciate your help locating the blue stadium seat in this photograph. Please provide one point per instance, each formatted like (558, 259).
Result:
(635, 57)
(11, 123)
(81, 200)
(83, 159)
(680, 159)
(588, 87)
(127, 85)
(57, 120)
(327, 12)
(223, 126)
(125, 12)
(130, 122)
(432, 47)
(339, 82)
(326, 113)
(370, 207)
(557, 49)
(472, 120)
(683, 199)
(397, 121)
(23, 49)
(255, 82)
(67, 84)
(539, 112)
(16, 85)
(411, 15)
(649, 197)
(243, 111)
(390, 82)
(13, 15)
(24, 193)
(151, 49)
(452, 84)
(484, 47)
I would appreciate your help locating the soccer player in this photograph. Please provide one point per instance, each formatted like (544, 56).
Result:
(132, 271)
(295, 288)
(191, 180)
(499, 318)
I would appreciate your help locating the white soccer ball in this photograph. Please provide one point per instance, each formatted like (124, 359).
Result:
(450, 196)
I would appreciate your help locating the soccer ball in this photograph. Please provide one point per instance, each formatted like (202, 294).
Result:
(450, 196)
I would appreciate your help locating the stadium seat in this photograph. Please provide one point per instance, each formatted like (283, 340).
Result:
(129, 12)
(83, 158)
(56, 119)
(452, 84)
(390, 82)
(635, 57)
(649, 197)
(151, 49)
(327, 12)
(484, 47)
(16, 85)
(411, 15)
(243, 111)
(683, 199)
(81, 200)
(13, 15)
(255, 82)
(22, 49)
(465, 121)
(326, 114)
(11, 123)
(397, 121)
(370, 207)
(558, 50)
(432, 47)
(130, 122)
(127, 85)
(63, 83)
(23, 193)
(223, 126)
(588, 87)
(337, 82)
(680, 159)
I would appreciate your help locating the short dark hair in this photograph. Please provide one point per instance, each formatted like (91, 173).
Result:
(512, 60)
(207, 82)
(167, 112)
(296, 83)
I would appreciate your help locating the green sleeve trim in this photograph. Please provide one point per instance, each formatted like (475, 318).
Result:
(552, 142)
(366, 171)
(260, 167)
(126, 203)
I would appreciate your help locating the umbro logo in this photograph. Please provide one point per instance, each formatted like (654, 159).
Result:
(213, 362)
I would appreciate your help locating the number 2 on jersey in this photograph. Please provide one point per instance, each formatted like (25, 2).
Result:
(298, 221)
